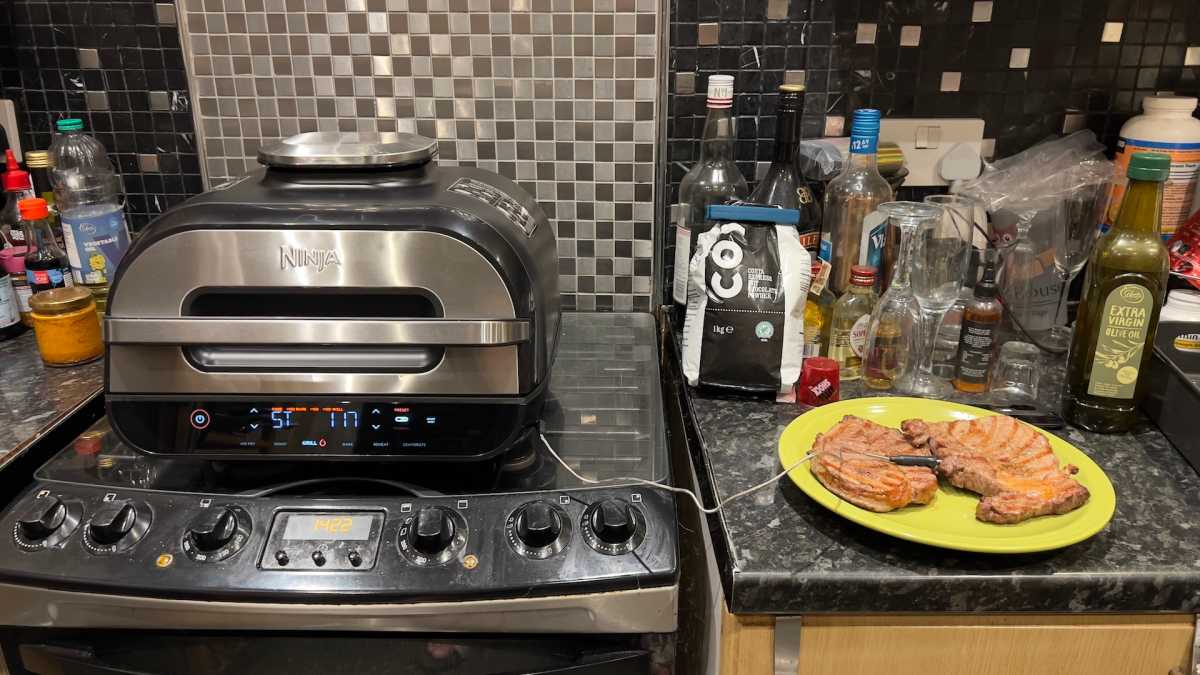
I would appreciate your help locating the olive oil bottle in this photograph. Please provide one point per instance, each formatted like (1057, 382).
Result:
(1114, 333)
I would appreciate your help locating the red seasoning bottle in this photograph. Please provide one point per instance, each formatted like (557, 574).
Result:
(819, 381)
(977, 341)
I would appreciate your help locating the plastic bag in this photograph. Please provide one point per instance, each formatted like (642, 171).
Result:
(748, 282)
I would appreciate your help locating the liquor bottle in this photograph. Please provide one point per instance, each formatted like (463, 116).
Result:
(818, 314)
(1118, 314)
(784, 186)
(714, 178)
(46, 264)
(852, 198)
(977, 338)
(851, 317)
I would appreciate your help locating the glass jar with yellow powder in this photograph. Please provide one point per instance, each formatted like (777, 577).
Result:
(67, 326)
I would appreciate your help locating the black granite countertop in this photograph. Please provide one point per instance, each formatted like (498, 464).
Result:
(782, 553)
(34, 396)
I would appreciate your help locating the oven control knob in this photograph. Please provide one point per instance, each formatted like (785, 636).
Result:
(112, 523)
(614, 527)
(43, 519)
(612, 521)
(433, 531)
(214, 529)
(538, 524)
(217, 533)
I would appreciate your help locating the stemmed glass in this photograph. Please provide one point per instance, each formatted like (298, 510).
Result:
(892, 332)
(1080, 214)
(941, 250)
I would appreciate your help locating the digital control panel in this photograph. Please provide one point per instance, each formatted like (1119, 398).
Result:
(322, 427)
(323, 540)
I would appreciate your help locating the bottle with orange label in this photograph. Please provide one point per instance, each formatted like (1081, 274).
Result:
(1168, 127)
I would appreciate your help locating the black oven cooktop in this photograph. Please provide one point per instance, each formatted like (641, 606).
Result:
(102, 516)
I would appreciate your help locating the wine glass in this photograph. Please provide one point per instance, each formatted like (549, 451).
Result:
(1080, 215)
(941, 249)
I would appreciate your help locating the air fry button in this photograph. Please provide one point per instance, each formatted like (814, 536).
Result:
(200, 419)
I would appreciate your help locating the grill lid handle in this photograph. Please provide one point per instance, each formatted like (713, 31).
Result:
(242, 331)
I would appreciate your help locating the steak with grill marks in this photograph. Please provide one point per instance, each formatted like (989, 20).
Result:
(842, 464)
(1010, 464)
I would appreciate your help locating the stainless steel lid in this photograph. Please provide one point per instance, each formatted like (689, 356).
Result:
(339, 150)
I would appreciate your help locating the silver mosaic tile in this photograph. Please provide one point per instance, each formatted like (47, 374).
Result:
(558, 95)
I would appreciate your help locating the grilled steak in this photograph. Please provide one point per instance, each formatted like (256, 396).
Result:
(1009, 463)
(874, 484)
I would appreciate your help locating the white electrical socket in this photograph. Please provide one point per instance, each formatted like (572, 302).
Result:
(8, 119)
(926, 141)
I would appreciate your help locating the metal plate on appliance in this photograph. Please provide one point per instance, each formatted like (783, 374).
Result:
(339, 150)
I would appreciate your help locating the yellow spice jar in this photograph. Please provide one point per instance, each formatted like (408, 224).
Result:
(67, 326)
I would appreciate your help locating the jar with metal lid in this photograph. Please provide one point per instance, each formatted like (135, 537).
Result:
(67, 326)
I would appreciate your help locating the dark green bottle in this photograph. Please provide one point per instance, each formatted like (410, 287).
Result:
(1114, 333)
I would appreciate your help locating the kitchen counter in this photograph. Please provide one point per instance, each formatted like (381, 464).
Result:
(34, 397)
(781, 553)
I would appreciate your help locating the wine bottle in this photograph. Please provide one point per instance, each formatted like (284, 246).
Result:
(784, 186)
(851, 199)
(1118, 315)
(714, 178)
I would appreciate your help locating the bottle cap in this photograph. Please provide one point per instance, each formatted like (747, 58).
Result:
(791, 97)
(89, 443)
(61, 300)
(866, 122)
(986, 288)
(37, 159)
(720, 91)
(1149, 166)
(69, 124)
(33, 208)
(15, 179)
(862, 275)
(1179, 104)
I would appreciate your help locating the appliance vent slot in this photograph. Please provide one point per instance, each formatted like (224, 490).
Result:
(313, 303)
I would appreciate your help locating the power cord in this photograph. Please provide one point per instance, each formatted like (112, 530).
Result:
(670, 488)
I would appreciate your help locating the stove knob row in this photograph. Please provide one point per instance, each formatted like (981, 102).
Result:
(47, 523)
(434, 535)
(538, 530)
(116, 527)
(217, 533)
(613, 526)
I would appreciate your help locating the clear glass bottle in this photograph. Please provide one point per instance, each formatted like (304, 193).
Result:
(714, 178)
(852, 198)
(851, 319)
(818, 315)
(1118, 315)
(46, 264)
(783, 186)
(893, 334)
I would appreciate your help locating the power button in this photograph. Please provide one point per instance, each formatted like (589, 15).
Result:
(200, 419)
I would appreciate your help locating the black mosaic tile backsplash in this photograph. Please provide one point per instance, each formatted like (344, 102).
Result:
(1020, 65)
(119, 67)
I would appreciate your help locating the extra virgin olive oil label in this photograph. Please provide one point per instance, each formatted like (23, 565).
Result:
(1124, 326)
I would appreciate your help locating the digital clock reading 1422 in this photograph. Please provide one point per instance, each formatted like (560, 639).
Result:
(328, 526)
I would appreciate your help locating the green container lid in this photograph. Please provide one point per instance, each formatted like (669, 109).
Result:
(69, 124)
(1149, 166)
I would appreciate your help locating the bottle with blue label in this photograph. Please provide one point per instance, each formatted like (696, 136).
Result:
(89, 197)
(851, 200)
(46, 265)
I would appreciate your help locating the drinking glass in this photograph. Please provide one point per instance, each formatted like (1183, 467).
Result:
(1080, 215)
(1015, 376)
(895, 322)
(941, 249)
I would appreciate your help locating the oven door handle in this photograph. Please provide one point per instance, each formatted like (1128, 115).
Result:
(378, 332)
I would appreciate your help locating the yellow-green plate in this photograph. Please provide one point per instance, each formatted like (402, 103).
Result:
(949, 521)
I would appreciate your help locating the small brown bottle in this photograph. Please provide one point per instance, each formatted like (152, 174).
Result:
(977, 341)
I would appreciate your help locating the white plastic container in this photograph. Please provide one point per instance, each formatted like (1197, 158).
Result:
(1182, 305)
(1167, 126)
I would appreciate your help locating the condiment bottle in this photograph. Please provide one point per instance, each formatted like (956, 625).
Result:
(46, 264)
(819, 383)
(1118, 316)
(818, 311)
(12, 262)
(16, 187)
(977, 339)
(851, 317)
(10, 311)
(67, 326)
